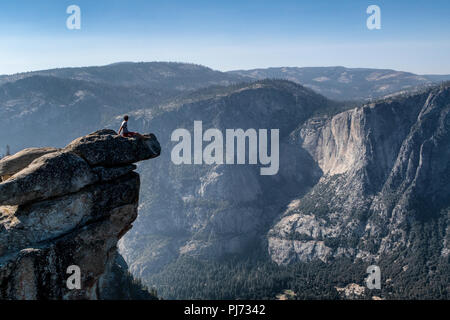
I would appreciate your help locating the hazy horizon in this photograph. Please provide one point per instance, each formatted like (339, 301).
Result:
(227, 35)
(229, 70)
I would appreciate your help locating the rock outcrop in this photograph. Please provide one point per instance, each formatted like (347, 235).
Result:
(67, 207)
(10, 165)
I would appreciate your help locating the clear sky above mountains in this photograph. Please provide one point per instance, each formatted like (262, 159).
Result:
(227, 35)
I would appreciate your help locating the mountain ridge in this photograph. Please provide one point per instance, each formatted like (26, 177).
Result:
(343, 83)
(184, 76)
(189, 76)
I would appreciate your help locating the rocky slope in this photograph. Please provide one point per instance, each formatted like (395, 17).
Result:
(385, 169)
(360, 184)
(64, 207)
(210, 211)
(46, 110)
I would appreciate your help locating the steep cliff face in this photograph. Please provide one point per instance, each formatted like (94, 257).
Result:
(210, 211)
(385, 168)
(67, 207)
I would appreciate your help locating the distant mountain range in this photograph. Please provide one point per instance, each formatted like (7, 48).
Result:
(155, 75)
(347, 83)
(337, 83)
(359, 182)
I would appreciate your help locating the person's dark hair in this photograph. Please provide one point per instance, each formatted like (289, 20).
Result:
(125, 118)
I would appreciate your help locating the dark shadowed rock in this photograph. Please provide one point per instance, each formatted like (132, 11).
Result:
(39, 272)
(108, 174)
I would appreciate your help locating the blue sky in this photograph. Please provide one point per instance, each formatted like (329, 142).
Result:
(226, 34)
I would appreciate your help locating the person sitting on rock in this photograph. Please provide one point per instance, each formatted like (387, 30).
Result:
(124, 129)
